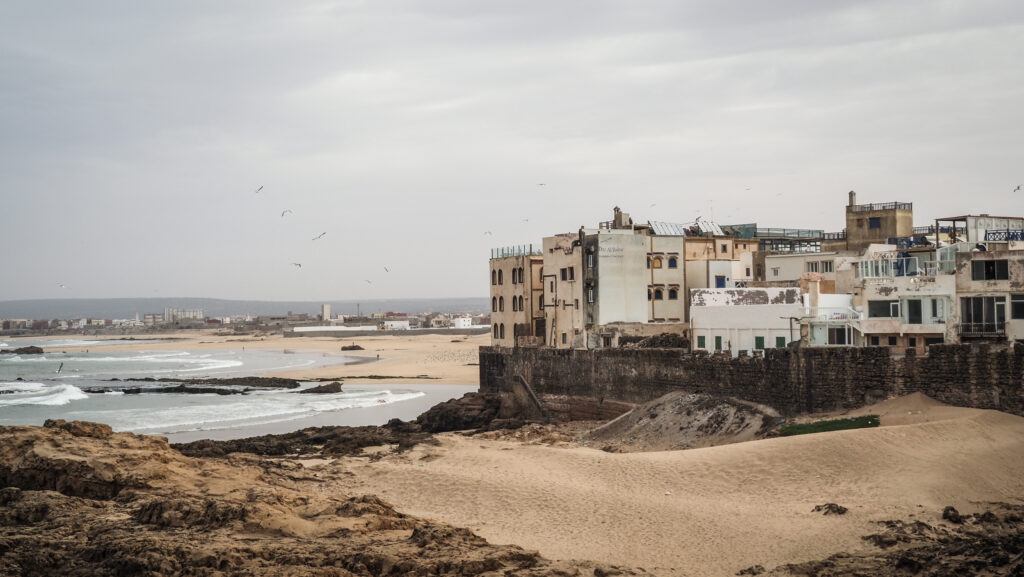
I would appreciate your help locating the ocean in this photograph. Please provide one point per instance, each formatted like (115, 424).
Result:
(53, 385)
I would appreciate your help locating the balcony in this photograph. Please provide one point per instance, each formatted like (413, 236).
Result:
(984, 329)
(521, 250)
(1003, 235)
(881, 206)
(831, 314)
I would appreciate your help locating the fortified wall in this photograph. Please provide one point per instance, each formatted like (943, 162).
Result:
(575, 384)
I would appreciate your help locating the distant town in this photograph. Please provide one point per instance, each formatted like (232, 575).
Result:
(297, 324)
(742, 289)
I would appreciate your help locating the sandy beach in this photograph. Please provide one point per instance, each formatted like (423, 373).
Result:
(447, 359)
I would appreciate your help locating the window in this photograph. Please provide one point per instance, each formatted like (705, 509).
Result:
(780, 342)
(775, 271)
(760, 270)
(874, 341)
(501, 304)
(658, 294)
(521, 275)
(875, 222)
(812, 266)
(700, 342)
(494, 277)
(500, 279)
(656, 263)
(572, 273)
(826, 266)
(502, 330)
(565, 274)
(913, 342)
(648, 262)
(495, 330)
(673, 294)
(892, 341)
(883, 309)
(725, 248)
(513, 276)
(494, 304)
(860, 223)
(552, 287)
(718, 343)
(1017, 306)
(563, 338)
(515, 304)
(673, 262)
(590, 261)
(989, 270)
(914, 316)
(748, 271)
(577, 304)
(649, 294)
(590, 295)
(983, 314)
(837, 336)
(521, 303)
(759, 343)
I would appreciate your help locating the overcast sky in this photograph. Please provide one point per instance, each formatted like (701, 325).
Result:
(133, 135)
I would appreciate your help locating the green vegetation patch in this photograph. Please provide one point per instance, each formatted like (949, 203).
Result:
(864, 422)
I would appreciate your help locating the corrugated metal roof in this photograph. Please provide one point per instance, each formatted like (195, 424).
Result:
(668, 228)
(705, 226)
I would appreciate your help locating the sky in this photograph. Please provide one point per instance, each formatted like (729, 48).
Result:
(409, 138)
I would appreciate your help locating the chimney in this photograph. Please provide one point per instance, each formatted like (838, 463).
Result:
(853, 198)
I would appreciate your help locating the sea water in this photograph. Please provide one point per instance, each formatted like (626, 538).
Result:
(53, 385)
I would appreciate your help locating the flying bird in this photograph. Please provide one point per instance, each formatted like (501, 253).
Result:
(318, 237)
(541, 184)
(1018, 187)
(526, 220)
(298, 264)
(260, 188)
(62, 285)
(386, 269)
(285, 211)
(488, 233)
(368, 281)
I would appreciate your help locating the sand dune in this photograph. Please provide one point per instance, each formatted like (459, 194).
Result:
(716, 510)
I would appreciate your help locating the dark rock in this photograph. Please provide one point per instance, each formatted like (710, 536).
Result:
(80, 428)
(754, 570)
(471, 411)
(830, 509)
(334, 387)
(23, 351)
(952, 515)
(352, 348)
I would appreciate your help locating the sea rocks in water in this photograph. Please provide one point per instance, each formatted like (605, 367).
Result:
(23, 351)
(250, 382)
(352, 347)
(830, 509)
(334, 387)
(471, 411)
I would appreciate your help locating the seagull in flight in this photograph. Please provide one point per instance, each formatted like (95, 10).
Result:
(526, 220)
(297, 264)
(386, 269)
(1018, 187)
(62, 285)
(541, 184)
(285, 211)
(319, 236)
(260, 188)
(488, 233)
(368, 281)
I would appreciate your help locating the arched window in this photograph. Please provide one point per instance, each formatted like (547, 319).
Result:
(648, 262)
(502, 330)
(515, 277)
(673, 294)
(495, 330)
(521, 277)
(494, 277)
(515, 303)
(648, 294)
(500, 279)
(501, 304)
(658, 294)
(656, 263)
(673, 262)
(521, 303)
(494, 304)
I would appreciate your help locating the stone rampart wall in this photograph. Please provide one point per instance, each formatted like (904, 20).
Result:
(792, 381)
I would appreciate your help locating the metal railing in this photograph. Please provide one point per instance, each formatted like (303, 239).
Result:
(521, 250)
(983, 328)
(789, 233)
(942, 229)
(890, 267)
(840, 314)
(841, 235)
(1004, 235)
(882, 206)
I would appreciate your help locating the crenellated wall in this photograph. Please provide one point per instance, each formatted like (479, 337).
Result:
(792, 381)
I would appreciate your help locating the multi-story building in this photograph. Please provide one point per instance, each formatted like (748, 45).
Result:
(744, 319)
(990, 286)
(516, 313)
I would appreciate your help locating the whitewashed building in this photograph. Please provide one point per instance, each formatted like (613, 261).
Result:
(744, 319)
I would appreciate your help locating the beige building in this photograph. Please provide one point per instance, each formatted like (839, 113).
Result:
(990, 286)
(868, 224)
(516, 296)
